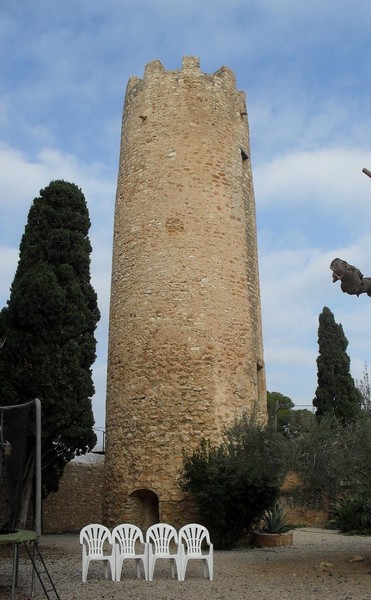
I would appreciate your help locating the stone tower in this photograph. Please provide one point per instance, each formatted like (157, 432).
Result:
(185, 341)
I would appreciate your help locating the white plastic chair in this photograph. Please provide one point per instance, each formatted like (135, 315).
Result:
(94, 539)
(162, 540)
(192, 538)
(125, 539)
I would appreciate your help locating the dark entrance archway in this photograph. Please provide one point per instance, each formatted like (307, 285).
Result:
(146, 505)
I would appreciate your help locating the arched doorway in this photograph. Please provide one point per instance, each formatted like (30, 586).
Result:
(146, 506)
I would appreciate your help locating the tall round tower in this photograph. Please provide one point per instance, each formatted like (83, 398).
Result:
(185, 341)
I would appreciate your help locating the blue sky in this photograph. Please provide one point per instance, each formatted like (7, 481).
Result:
(305, 68)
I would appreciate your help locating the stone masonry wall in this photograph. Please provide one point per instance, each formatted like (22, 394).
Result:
(78, 501)
(185, 341)
(80, 497)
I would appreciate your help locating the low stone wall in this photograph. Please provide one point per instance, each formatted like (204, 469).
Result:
(78, 501)
(80, 497)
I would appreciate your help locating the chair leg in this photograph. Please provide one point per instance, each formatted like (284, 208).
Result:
(151, 568)
(184, 567)
(118, 568)
(145, 563)
(181, 563)
(211, 569)
(85, 569)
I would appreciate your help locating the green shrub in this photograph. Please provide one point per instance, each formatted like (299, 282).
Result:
(236, 482)
(353, 514)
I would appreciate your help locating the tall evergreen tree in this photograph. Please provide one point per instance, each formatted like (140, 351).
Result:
(336, 393)
(48, 325)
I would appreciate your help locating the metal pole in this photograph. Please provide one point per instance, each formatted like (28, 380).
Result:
(38, 469)
(366, 172)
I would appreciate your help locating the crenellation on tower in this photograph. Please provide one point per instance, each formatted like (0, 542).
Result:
(223, 77)
(185, 341)
(226, 75)
(191, 65)
(132, 85)
(154, 68)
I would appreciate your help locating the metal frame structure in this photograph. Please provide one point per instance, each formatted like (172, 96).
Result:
(32, 537)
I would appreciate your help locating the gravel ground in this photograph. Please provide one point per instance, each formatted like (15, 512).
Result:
(320, 565)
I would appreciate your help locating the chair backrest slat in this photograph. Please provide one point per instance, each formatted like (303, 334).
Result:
(193, 536)
(127, 536)
(94, 536)
(161, 536)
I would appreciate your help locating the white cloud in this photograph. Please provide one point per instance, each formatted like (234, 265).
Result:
(328, 178)
(21, 180)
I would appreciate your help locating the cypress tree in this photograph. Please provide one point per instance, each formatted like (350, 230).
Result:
(336, 394)
(47, 328)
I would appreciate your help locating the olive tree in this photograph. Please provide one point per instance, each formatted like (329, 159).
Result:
(235, 482)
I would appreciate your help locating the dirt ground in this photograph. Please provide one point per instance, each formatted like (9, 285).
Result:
(321, 564)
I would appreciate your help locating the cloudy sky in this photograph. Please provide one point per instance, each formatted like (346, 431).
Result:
(305, 68)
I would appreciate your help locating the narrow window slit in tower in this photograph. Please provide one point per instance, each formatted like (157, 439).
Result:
(244, 155)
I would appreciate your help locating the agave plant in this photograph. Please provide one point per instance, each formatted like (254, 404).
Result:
(353, 514)
(274, 521)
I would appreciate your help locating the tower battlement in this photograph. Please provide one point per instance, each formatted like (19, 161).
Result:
(190, 68)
